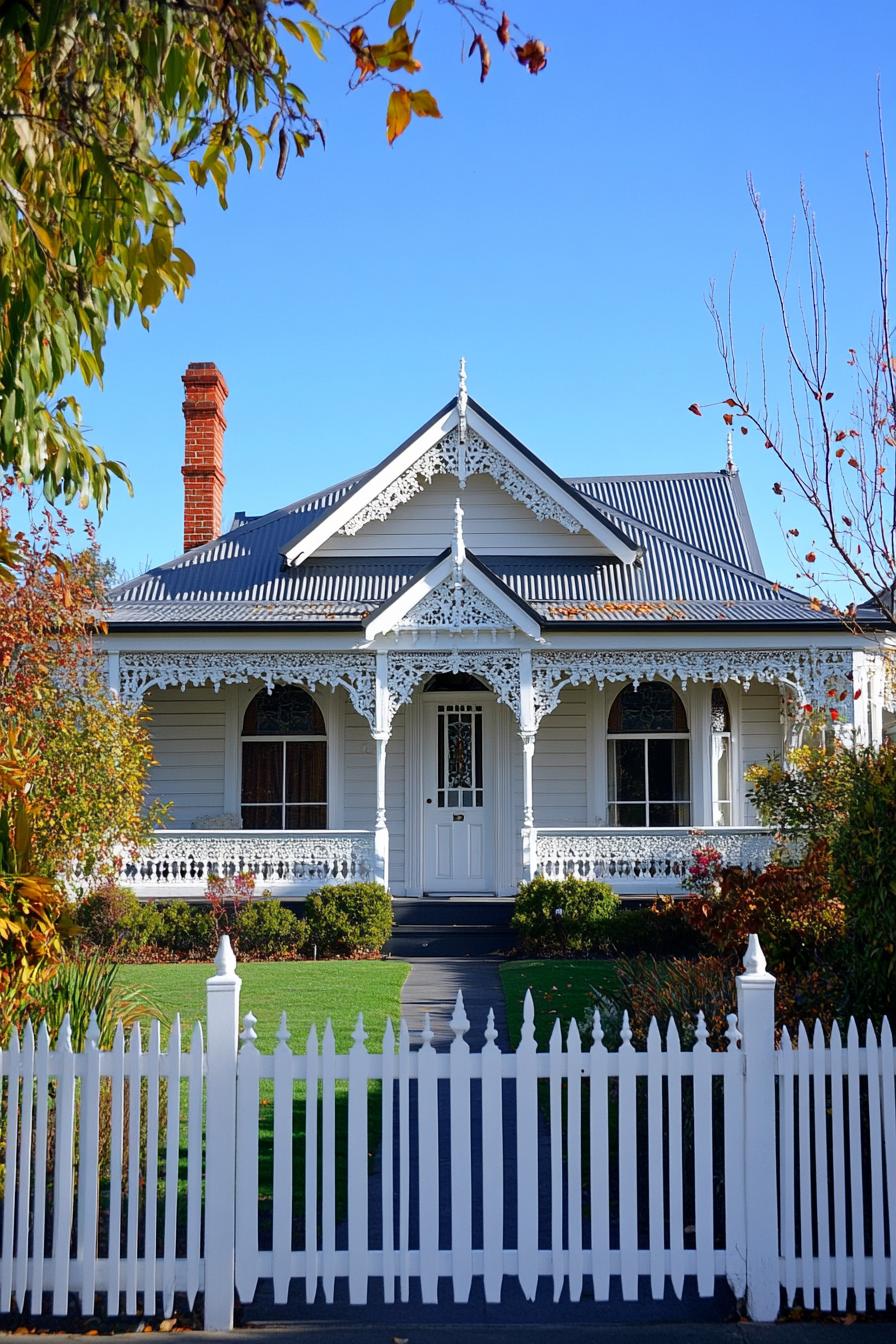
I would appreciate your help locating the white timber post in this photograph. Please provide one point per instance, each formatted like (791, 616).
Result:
(222, 1000)
(756, 1019)
(113, 671)
(527, 734)
(701, 735)
(381, 739)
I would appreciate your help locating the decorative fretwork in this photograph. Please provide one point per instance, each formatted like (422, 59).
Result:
(810, 673)
(355, 672)
(499, 668)
(443, 458)
(645, 856)
(177, 859)
(456, 607)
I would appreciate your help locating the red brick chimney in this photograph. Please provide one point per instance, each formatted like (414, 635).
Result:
(203, 469)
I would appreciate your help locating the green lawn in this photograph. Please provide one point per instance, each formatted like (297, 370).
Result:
(559, 988)
(309, 991)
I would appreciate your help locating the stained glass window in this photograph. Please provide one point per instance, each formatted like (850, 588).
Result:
(460, 756)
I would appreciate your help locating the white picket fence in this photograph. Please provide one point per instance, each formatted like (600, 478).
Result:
(130, 1170)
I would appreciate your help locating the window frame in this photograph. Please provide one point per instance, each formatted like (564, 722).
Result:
(283, 739)
(613, 804)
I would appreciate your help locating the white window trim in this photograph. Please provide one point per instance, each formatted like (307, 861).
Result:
(331, 712)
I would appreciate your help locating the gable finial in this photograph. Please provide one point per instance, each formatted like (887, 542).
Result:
(460, 550)
(462, 424)
(729, 455)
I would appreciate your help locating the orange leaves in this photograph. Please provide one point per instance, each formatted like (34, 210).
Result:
(853, 462)
(840, 436)
(695, 409)
(403, 102)
(777, 488)
(372, 57)
(485, 56)
(814, 605)
(811, 557)
(728, 418)
(503, 30)
(533, 54)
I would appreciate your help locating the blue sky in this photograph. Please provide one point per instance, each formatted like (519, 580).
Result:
(560, 231)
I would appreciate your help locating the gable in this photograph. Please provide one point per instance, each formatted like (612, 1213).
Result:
(494, 524)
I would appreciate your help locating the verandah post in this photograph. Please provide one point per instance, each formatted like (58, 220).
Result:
(222, 999)
(756, 1019)
(381, 739)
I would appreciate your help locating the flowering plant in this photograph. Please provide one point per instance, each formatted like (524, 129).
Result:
(704, 876)
(227, 895)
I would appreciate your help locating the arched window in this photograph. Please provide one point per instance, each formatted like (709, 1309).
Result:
(648, 758)
(284, 751)
(720, 727)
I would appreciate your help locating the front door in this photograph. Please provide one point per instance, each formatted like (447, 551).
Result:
(458, 845)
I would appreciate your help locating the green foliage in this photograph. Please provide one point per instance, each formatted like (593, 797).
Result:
(352, 920)
(111, 917)
(556, 917)
(807, 793)
(182, 929)
(83, 985)
(660, 929)
(864, 879)
(267, 930)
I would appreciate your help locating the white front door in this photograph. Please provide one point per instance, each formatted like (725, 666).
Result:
(458, 844)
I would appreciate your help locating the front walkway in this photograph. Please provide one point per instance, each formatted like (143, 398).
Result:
(432, 987)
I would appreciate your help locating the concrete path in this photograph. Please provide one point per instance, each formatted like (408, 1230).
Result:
(362, 1332)
(432, 987)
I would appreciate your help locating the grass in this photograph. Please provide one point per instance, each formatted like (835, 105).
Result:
(559, 988)
(309, 991)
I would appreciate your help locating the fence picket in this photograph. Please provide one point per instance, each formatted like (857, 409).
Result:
(328, 1161)
(12, 1067)
(628, 1165)
(493, 1164)
(20, 1284)
(151, 1205)
(555, 1067)
(312, 1076)
(134, 1106)
(461, 1155)
(656, 1210)
(856, 1182)
(676, 1173)
(358, 1214)
(804, 1149)
(404, 1156)
(527, 1154)
(704, 1232)
(574, 1159)
(62, 1169)
(838, 1165)
(888, 1107)
(876, 1191)
(281, 1236)
(387, 1162)
(822, 1197)
(428, 1153)
(88, 1165)
(735, 1167)
(41, 1155)
(787, 1165)
(599, 1157)
(194, 1161)
(247, 1139)
(172, 1158)
(116, 1144)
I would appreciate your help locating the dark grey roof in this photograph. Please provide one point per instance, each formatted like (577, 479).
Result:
(700, 564)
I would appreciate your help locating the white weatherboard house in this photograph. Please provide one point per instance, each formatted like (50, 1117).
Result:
(460, 669)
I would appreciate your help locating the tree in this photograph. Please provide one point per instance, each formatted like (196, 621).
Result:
(108, 108)
(88, 754)
(837, 455)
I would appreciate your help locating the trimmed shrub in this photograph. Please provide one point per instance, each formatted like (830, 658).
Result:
(556, 917)
(267, 930)
(111, 917)
(863, 860)
(660, 929)
(353, 920)
(184, 930)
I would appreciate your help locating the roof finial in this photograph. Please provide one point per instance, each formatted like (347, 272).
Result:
(460, 550)
(462, 400)
(729, 455)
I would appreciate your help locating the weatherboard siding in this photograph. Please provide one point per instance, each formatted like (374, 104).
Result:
(761, 733)
(188, 736)
(560, 767)
(494, 523)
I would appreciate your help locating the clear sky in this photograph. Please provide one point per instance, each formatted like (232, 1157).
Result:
(559, 231)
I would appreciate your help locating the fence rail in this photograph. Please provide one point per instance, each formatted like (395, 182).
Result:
(134, 1173)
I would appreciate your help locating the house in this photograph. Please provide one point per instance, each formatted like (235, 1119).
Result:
(460, 669)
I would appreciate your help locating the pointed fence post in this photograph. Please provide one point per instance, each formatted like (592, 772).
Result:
(222, 998)
(756, 1018)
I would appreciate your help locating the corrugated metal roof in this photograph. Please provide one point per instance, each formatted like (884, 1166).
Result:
(699, 563)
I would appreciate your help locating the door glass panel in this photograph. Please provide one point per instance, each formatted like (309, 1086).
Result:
(459, 756)
(460, 751)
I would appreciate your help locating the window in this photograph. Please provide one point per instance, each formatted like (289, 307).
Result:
(284, 760)
(648, 758)
(720, 727)
(459, 749)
